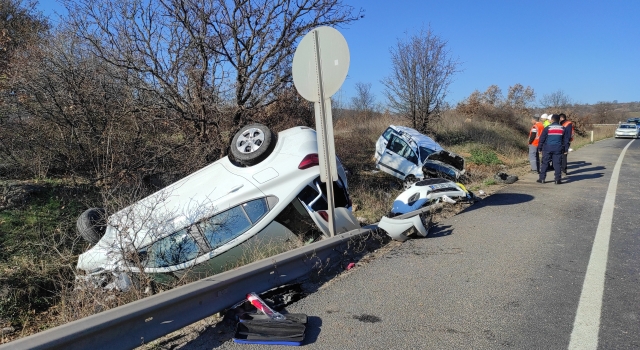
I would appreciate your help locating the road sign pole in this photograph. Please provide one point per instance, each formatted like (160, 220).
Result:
(324, 124)
(320, 66)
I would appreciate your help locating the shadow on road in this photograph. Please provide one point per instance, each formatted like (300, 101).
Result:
(501, 199)
(440, 231)
(577, 164)
(314, 325)
(574, 178)
(595, 168)
(495, 199)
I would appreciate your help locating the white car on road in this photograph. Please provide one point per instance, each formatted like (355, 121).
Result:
(266, 192)
(628, 130)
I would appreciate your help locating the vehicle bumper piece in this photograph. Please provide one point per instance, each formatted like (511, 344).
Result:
(400, 229)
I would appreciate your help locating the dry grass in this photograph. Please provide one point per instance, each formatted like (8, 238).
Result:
(372, 194)
(599, 133)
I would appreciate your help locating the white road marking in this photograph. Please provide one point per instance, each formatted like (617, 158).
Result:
(587, 323)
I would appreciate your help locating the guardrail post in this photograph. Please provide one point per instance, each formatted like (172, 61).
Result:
(591, 136)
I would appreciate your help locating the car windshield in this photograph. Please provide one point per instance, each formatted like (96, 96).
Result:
(424, 153)
(627, 126)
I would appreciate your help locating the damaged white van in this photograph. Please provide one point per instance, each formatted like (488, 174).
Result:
(411, 156)
(267, 191)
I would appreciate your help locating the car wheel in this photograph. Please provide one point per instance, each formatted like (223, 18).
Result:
(92, 224)
(252, 144)
(408, 181)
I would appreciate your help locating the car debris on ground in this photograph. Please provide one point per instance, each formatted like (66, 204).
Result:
(258, 323)
(426, 195)
(266, 193)
(411, 156)
(505, 178)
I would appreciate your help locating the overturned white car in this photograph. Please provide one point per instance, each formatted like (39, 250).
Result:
(266, 192)
(411, 156)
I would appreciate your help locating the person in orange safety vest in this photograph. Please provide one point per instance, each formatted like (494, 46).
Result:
(569, 130)
(534, 137)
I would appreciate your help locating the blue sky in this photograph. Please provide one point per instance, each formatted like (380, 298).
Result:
(588, 49)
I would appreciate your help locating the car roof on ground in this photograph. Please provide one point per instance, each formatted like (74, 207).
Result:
(420, 139)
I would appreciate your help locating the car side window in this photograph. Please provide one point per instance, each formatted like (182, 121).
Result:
(400, 147)
(256, 209)
(387, 134)
(222, 228)
(177, 248)
(397, 145)
(410, 155)
(187, 244)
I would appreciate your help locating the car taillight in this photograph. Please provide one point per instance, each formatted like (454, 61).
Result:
(324, 215)
(308, 161)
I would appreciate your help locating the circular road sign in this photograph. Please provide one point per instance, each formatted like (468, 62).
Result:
(333, 55)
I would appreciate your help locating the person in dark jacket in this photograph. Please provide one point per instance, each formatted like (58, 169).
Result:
(553, 143)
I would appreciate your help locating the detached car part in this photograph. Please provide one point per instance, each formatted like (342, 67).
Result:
(428, 192)
(400, 229)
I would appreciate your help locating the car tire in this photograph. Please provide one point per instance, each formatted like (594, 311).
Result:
(252, 144)
(92, 224)
(408, 181)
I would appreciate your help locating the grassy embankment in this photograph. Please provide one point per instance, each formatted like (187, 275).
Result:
(40, 245)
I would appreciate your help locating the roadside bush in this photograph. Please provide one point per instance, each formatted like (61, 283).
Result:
(484, 156)
(39, 247)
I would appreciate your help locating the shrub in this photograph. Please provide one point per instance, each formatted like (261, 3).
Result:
(484, 157)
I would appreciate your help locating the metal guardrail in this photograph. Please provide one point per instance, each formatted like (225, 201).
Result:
(142, 321)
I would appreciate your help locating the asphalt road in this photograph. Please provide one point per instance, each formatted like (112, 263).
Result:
(508, 272)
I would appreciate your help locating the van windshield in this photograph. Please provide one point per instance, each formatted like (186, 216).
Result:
(424, 153)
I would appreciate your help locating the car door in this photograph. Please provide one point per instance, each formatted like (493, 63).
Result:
(344, 219)
(398, 159)
(382, 142)
(314, 201)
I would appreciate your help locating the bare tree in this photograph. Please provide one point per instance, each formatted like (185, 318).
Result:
(556, 99)
(493, 96)
(422, 70)
(20, 26)
(520, 98)
(604, 112)
(364, 100)
(214, 63)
